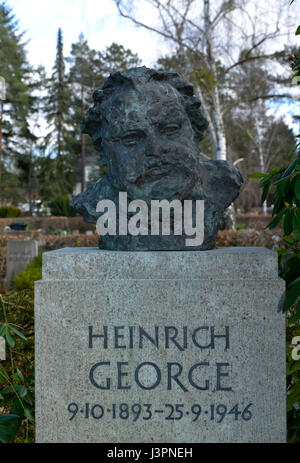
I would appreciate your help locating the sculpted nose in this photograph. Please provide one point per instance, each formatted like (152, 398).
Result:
(152, 148)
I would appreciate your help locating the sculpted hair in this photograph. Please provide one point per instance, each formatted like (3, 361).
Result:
(136, 78)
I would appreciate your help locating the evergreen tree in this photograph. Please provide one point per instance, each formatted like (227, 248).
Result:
(117, 58)
(57, 110)
(15, 70)
(84, 79)
(88, 71)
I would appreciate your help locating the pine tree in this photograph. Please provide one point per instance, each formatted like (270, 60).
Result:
(117, 58)
(84, 79)
(88, 71)
(58, 140)
(15, 70)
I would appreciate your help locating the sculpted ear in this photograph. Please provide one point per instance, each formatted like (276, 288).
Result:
(221, 182)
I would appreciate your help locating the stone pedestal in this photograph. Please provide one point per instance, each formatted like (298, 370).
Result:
(156, 347)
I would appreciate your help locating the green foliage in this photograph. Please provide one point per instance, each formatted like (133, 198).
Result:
(15, 70)
(205, 78)
(17, 371)
(240, 226)
(117, 58)
(17, 73)
(9, 211)
(18, 394)
(33, 272)
(88, 70)
(6, 432)
(60, 207)
(285, 183)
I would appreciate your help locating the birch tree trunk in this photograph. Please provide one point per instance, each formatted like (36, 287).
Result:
(217, 117)
(261, 157)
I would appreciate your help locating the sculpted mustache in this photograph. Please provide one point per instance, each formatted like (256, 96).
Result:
(141, 176)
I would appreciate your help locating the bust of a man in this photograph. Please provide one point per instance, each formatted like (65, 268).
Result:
(147, 125)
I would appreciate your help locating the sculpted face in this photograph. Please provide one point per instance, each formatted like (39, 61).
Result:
(147, 125)
(148, 143)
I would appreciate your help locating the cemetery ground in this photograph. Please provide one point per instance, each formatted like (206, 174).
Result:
(17, 312)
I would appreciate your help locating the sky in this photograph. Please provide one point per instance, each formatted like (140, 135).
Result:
(97, 19)
(101, 24)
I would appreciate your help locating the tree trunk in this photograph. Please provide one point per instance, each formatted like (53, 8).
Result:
(217, 117)
(220, 152)
(82, 145)
(30, 182)
(261, 159)
(228, 218)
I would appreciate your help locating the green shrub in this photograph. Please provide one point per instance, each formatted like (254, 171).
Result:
(240, 226)
(17, 371)
(33, 272)
(60, 206)
(285, 186)
(9, 212)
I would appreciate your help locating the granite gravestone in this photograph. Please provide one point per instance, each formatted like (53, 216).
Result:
(2, 348)
(173, 346)
(18, 255)
(146, 339)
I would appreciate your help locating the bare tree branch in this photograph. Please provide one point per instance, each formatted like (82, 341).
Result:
(275, 96)
(252, 58)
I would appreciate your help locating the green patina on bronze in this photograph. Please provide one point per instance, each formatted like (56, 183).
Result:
(147, 125)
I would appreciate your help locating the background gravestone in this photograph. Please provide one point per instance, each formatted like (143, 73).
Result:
(2, 348)
(18, 255)
(181, 346)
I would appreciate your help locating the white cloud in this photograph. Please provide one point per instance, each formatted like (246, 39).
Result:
(285, 110)
(98, 20)
(101, 24)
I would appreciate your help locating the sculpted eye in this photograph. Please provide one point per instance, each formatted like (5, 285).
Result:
(131, 138)
(170, 129)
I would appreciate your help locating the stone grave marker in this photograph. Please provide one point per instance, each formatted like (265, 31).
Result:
(160, 347)
(157, 336)
(18, 255)
(2, 348)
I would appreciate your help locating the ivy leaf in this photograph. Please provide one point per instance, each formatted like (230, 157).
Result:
(298, 31)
